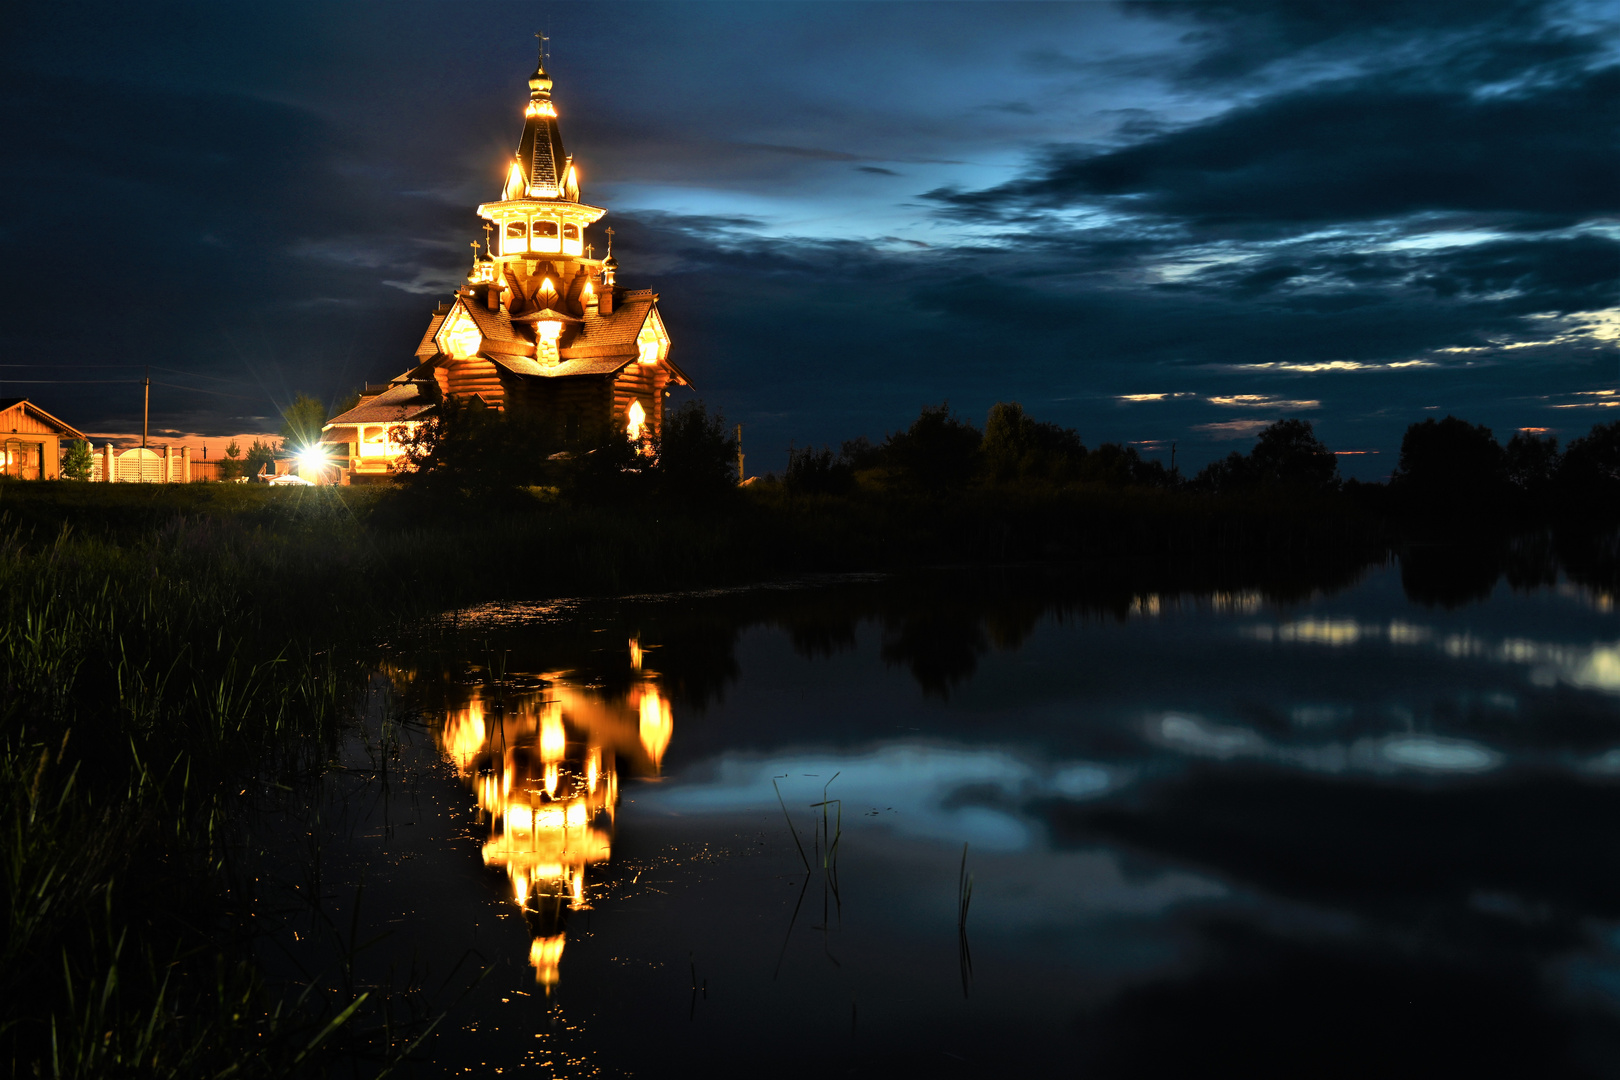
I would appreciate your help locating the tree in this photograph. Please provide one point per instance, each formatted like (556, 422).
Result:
(464, 448)
(77, 462)
(1289, 454)
(301, 422)
(1016, 447)
(818, 472)
(939, 451)
(231, 467)
(1531, 465)
(263, 452)
(695, 456)
(1588, 477)
(1286, 454)
(1451, 467)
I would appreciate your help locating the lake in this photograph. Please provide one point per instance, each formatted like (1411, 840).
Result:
(1113, 824)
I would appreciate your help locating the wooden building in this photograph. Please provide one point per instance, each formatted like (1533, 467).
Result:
(33, 439)
(539, 326)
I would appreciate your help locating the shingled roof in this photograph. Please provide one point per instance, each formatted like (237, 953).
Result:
(402, 401)
(593, 365)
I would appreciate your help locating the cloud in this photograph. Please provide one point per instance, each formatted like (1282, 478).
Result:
(876, 170)
(1266, 401)
(1347, 151)
(1232, 429)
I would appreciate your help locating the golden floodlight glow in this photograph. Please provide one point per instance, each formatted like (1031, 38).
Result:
(542, 769)
(540, 108)
(461, 339)
(657, 725)
(545, 956)
(638, 419)
(550, 329)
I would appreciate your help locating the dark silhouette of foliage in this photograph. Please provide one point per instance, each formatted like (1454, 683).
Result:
(1287, 454)
(938, 452)
(818, 472)
(1451, 468)
(1121, 466)
(466, 449)
(77, 462)
(1016, 447)
(695, 457)
(860, 453)
(1588, 477)
(1531, 465)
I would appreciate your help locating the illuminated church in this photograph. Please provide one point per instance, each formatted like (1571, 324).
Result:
(539, 325)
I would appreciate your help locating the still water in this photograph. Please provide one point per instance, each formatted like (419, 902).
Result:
(969, 823)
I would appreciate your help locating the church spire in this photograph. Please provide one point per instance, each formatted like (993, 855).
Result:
(539, 210)
(542, 164)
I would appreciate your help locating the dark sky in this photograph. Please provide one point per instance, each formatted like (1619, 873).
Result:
(1149, 221)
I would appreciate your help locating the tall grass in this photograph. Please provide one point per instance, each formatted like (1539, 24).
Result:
(145, 686)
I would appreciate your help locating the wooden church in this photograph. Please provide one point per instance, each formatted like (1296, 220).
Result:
(538, 326)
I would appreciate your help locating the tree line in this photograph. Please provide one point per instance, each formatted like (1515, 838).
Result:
(1446, 467)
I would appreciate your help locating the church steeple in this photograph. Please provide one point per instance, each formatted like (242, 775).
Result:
(540, 157)
(539, 222)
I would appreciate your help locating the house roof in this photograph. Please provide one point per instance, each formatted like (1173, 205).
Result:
(7, 404)
(402, 401)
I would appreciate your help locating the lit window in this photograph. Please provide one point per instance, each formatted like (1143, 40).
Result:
(545, 236)
(571, 245)
(516, 237)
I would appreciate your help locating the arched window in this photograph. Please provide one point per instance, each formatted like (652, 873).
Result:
(571, 240)
(545, 235)
(516, 237)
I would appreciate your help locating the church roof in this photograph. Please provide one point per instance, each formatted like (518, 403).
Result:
(590, 365)
(402, 401)
(428, 347)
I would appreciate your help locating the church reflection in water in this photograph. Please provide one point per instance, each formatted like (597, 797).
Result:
(545, 765)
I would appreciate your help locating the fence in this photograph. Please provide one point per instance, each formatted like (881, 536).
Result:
(143, 465)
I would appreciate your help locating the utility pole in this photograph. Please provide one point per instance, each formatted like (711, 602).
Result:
(739, 455)
(146, 407)
(1172, 457)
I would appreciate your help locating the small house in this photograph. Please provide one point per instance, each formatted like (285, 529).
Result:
(33, 440)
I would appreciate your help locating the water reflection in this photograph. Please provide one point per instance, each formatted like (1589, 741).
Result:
(543, 760)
